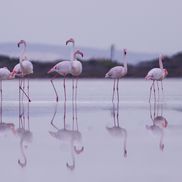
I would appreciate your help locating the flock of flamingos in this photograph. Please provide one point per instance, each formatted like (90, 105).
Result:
(74, 67)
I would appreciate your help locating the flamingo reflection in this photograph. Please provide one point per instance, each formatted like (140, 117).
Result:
(159, 122)
(23, 132)
(116, 130)
(5, 126)
(72, 136)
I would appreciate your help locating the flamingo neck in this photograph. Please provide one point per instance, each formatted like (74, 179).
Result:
(160, 63)
(125, 64)
(72, 52)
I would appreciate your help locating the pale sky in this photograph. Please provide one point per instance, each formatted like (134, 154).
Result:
(139, 25)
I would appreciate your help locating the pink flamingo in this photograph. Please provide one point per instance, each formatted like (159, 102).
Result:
(72, 41)
(23, 68)
(4, 75)
(76, 70)
(156, 74)
(64, 68)
(116, 73)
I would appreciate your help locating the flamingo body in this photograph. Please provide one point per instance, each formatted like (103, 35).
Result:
(76, 68)
(157, 74)
(116, 72)
(22, 69)
(4, 73)
(63, 68)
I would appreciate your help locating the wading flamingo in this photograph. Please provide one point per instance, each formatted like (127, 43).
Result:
(4, 75)
(72, 41)
(23, 68)
(76, 70)
(64, 68)
(156, 74)
(116, 73)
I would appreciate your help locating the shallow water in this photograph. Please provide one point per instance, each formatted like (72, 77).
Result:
(102, 141)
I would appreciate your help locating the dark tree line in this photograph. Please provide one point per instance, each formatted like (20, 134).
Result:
(95, 68)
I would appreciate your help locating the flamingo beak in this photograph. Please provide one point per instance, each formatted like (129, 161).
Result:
(165, 124)
(12, 75)
(50, 71)
(70, 40)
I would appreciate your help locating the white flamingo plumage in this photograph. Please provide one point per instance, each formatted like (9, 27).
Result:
(64, 68)
(23, 68)
(116, 73)
(4, 75)
(156, 74)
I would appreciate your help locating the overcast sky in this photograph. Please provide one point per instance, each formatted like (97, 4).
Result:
(139, 25)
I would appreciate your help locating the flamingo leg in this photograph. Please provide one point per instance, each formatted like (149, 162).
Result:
(21, 87)
(1, 98)
(113, 90)
(162, 90)
(158, 91)
(25, 94)
(151, 87)
(76, 88)
(72, 89)
(54, 87)
(117, 89)
(154, 92)
(64, 85)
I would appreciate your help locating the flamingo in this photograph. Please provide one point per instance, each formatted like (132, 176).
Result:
(4, 75)
(116, 73)
(76, 70)
(156, 74)
(64, 68)
(23, 68)
(72, 41)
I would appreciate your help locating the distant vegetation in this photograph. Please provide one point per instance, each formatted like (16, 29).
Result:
(94, 68)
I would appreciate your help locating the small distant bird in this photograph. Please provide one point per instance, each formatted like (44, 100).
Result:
(156, 74)
(116, 73)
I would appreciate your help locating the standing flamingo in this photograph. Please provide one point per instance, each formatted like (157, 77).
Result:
(116, 73)
(72, 41)
(23, 68)
(63, 68)
(76, 70)
(4, 75)
(156, 74)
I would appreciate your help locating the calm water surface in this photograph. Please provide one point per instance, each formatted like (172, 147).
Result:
(94, 139)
